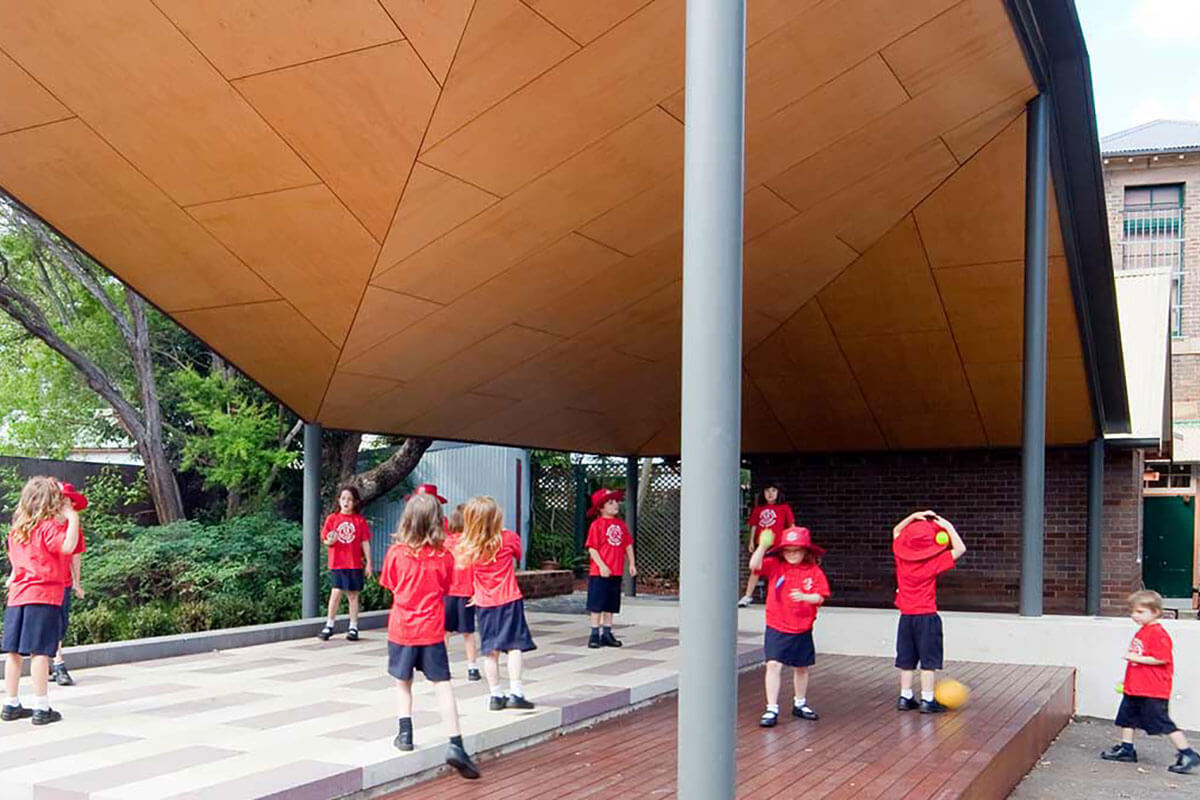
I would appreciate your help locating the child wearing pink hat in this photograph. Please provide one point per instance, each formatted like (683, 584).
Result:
(796, 588)
(609, 544)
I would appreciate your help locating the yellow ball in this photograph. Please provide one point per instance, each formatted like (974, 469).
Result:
(1120, 687)
(942, 538)
(951, 693)
(767, 537)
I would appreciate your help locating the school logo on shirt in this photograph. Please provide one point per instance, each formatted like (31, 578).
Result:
(1137, 647)
(807, 583)
(345, 532)
(613, 535)
(767, 518)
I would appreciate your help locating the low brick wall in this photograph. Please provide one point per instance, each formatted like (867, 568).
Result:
(545, 583)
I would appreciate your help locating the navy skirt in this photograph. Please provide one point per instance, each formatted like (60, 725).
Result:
(350, 580)
(32, 630)
(460, 617)
(503, 628)
(789, 649)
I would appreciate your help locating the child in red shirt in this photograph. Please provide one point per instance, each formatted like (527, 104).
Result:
(919, 543)
(493, 552)
(609, 543)
(44, 532)
(348, 538)
(1147, 687)
(769, 513)
(460, 613)
(58, 668)
(417, 570)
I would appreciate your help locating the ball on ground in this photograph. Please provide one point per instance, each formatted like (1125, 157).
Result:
(767, 537)
(942, 538)
(951, 693)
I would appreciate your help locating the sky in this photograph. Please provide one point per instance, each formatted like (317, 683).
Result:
(1145, 57)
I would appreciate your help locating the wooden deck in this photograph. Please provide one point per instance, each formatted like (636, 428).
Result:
(861, 748)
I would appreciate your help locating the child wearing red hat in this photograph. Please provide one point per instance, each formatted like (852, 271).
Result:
(796, 588)
(609, 544)
(772, 513)
(348, 538)
(74, 564)
(925, 545)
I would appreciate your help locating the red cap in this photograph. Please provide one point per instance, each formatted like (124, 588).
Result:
(431, 490)
(795, 537)
(917, 541)
(602, 496)
(78, 501)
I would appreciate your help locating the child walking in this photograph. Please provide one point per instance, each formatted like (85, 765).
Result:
(460, 613)
(925, 545)
(1147, 688)
(348, 538)
(74, 562)
(609, 544)
(772, 513)
(493, 553)
(44, 532)
(417, 570)
(796, 588)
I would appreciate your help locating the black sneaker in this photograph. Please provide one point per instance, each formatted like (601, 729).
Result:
(594, 641)
(1185, 763)
(11, 713)
(496, 703)
(325, 633)
(352, 635)
(59, 674)
(404, 740)
(608, 640)
(769, 718)
(804, 712)
(473, 674)
(46, 716)
(1126, 755)
(907, 703)
(457, 757)
(517, 701)
(932, 707)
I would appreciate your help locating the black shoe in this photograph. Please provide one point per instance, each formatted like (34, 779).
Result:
(907, 704)
(496, 703)
(45, 717)
(473, 674)
(1185, 763)
(516, 701)
(325, 633)
(59, 674)
(404, 740)
(352, 635)
(594, 641)
(608, 640)
(11, 713)
(768, 719)
(932, 707)
(1126, 755)
(804, 712)
(458, 758)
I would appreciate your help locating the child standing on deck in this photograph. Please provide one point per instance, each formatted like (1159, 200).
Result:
(74, 562)
(796, 588)
(493, 553)
(771, 513)
(609, 543)
(460, 613)
(44, 532)
(925, 545)
(417, 570)
(1147, 687)
(348, 538)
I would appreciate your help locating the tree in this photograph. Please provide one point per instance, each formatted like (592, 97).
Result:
(339, 459)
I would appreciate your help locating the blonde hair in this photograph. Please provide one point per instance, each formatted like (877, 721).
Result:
(1147, 599)
(456, 519)
(420, 524)
(482, 522)
(41, 499)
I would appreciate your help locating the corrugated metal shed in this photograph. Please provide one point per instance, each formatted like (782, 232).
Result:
(1159, 136)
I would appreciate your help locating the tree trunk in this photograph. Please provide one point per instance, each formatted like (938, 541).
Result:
(391, 473)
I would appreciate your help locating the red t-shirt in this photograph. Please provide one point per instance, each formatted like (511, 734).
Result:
(783, 613)
(916, 583)
(39, 567)
(609, 536)
(418, 581)
(462, 583)
(776, 516)
(346, 552)
(496, 580)
(1151, 680)
(80, 549)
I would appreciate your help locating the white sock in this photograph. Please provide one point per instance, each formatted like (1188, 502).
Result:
(13, 702)
(514, 687)
(926, 696)
(353, 626)
(329, 622)
(799, 702)
(496, 691)
(773, 707)
(472, 665)
(41, 703)
(907, 694)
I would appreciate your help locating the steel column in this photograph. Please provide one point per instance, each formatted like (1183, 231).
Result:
(1033, 375)
(310, 556)
(1095, 524)
(631, 517)
(710, 414)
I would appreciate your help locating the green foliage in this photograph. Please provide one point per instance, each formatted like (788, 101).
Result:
(156, 619)
(554, 545)
(108, 494)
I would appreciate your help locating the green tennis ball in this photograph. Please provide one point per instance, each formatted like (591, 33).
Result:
(767, 537)
(942, 538)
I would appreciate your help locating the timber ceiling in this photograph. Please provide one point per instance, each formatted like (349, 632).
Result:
(463, 218)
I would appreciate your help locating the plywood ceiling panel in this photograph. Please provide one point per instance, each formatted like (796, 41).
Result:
(966, 139)
(359, 400)
(949, 44)
(241, 37)
(381, 315)
(584, 22)
(998, 391)
(433, 28)
(25, 102)
(357, 120)
(787, 266)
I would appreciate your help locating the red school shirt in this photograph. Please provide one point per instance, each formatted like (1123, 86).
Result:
(346, 550)
(783, 613)
(916, 583)
(776, 516)
(1151, 680)
(496, 580)
(462, 582)
(609, 536)
(418, 581)
(39, 567)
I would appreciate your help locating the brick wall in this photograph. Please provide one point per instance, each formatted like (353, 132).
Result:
(851, 503)
(545, 583)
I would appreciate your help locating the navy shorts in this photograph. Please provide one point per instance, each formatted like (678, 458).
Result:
(350, 580)
(1145, 713)
(790, 649)
(32, 630)
(503, 628)
(460, 617)
(430, 659)
(919, 641)
(66, 610)
(604, 594)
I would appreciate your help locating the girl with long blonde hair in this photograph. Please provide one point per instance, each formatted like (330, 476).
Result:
(43, 536)
(493, 553)
(460, 611)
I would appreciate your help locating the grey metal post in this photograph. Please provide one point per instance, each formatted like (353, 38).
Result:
(310, 557)
(1033, 377)
(631, 516)
(710, 413)
(1095, 524)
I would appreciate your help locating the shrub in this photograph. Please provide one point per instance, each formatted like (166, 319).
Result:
(152, 620)
(101, 623)
(194, 616)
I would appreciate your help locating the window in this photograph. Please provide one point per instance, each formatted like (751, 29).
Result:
(1152, 238)
(1165, 475)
